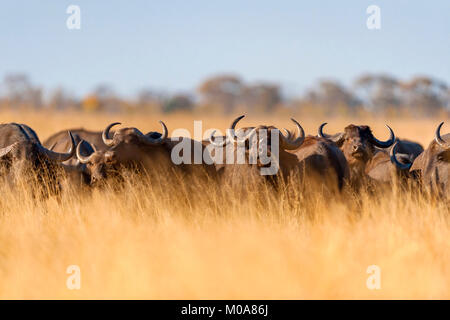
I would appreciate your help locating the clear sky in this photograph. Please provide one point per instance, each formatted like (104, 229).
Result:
(173, 45)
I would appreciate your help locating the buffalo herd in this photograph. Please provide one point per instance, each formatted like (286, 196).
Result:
(351, 159)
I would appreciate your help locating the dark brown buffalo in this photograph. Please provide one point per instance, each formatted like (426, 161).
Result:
(369, 158)
(88, 143)
(433, 165)
(59, 141)
(314, 159)
(23, 155)
(383, 167)
(130, 148)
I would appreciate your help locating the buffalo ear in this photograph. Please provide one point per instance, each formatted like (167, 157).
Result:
(444, 156)
(418, 163)
(338, 138)
(340, 142)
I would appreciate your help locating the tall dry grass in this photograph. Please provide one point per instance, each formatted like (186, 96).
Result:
(187, 239)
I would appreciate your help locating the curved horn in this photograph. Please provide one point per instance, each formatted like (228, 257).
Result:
(235, 121)
(335, 138)
(290, 144)
(394, 160)
(81, 158)
(217, 144)
(161, 139)
(53, 145)
(105, 134)
(287, 133)
(387, 143)
(230, 136)
(231, 132)
(320, 131)
(57, 156)
(4, 151)
(439, 140)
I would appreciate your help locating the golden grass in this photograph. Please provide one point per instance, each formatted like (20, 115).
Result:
(207, 242)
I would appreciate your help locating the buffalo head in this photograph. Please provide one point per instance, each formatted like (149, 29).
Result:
(124, 147)
(255, 146)
(243, 135)
(357, 142)
(34, 152)
(22, 156)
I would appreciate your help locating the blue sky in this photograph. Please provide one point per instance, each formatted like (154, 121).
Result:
(174, 45)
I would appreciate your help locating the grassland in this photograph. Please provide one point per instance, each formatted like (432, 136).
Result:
(153, 240)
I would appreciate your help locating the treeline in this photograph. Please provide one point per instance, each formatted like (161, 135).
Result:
(378, 94)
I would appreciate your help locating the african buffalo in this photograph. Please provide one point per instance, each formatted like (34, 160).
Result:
(368, 158)
(88, 143)
(23, 155)
(433, 165)
(316, 160)
(130, 148)
(59, 141)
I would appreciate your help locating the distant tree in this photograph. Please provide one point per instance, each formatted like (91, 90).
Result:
(381, 91)
(20, 92)
(179, 102)
(426, 95)
(103, 98)
(60, 99)
(150, 99)
(90, 103)
(223, 91)
(332, 96)
(262, 96)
